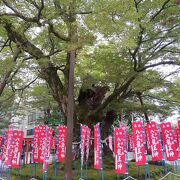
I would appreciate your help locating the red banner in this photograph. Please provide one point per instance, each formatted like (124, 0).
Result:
(169, 141)
(148, 136)
(8, 148)
(119, 150)
(97, 148)
(35, 151)
(54, 143)
(138, 143)
(88, 142)
(177, 131)
(131, 143)
(47, 148)
(83, 141)
(110, 143)
(18, 137)
(61, 143)
(179, 124)
(154, 140)
(41, 143)
(1, 138)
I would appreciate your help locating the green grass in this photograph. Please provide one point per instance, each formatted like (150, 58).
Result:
(156, 171)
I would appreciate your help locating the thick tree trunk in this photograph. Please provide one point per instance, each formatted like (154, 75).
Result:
(70, 119)
(105, 129)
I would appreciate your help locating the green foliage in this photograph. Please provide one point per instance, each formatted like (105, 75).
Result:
(42, 97)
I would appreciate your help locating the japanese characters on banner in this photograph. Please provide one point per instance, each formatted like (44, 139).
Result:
(169, 141)
(61, 143)
(1, 139)
(8, 148)
(35, 145)
(97, 148)
(147, 138)
(47, 148)
(177, 132)
(110, 143)
(83, 141)
(18, 137)
(54, 143)
(41, 143)
(120, 150)
(154, 141)
(130, 143)
(179, 124)
(88, 131)
(138, 143)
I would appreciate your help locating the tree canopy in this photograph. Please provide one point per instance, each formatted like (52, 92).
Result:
(117, 47)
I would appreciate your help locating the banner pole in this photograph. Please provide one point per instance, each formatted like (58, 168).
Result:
(3, 143)
(9, 168)
(19, 173)
(146, 151)
(81, 168)
(86, 170)
(99, 135)
(88, 142)
(56, 158)
(45, 155)
(126, 147)
(163, 160)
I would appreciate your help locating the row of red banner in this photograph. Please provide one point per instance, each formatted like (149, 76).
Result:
(12, 148)
(158, 142)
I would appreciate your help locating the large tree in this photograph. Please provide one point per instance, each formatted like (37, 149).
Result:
(136, 36)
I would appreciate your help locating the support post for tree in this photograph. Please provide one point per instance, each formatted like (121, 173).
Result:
(70, 118)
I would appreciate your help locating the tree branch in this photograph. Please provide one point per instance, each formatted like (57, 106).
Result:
(4, 45)
(161, 99)
(40, 9)
(57, 34)
(18, 14)
(27, 85)
(160, 10)
(157, 64)
(156, 50)
(114, 95)
(85, 12)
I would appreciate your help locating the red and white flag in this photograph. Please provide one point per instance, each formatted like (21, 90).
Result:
(177, 132)
(97, 148)
(83, 141)
(41, 143)
(47, 148)
(54, 143)
(1, 139)
(110, 143)
(8, 148)
(148, 138)
(169, 141)
(138, 139)
(35, 152)
(61, 143)
(154, 140)
(131, 143)
(179, 124)
(88, 143)
(18, 137)
(120, 150)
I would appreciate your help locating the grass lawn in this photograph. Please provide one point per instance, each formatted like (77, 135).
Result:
(156, 171)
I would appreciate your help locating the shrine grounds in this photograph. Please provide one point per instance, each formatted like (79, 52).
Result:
(157, 171)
